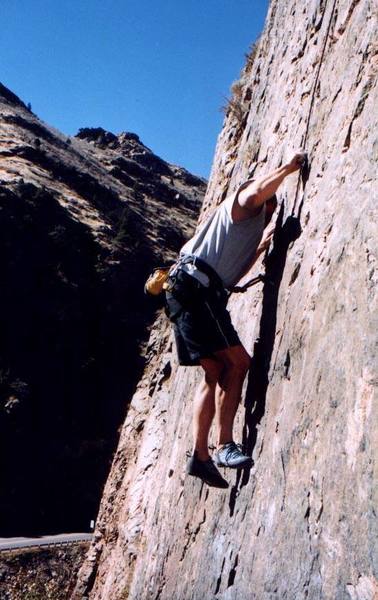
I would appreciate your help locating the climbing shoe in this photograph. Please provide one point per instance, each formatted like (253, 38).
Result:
(205, 470)
(231, 455)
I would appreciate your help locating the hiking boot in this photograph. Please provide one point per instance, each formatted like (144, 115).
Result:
(205, 470)
(231, 455)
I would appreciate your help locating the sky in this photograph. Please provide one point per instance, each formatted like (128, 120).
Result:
(159, 68)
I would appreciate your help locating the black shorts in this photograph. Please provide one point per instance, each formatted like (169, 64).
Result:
(201, 322)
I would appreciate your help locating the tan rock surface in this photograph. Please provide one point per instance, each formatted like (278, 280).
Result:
(302, 523)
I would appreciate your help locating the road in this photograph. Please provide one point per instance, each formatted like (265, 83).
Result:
(45, 540)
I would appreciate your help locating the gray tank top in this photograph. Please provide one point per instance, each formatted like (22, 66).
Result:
(226, 246)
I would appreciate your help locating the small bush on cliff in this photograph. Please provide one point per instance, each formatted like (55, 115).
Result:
(251, 55)
(235, 106)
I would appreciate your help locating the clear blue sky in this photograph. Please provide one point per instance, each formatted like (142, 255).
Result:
(158, 68)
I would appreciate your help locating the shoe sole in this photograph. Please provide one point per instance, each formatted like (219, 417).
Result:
(246, 463)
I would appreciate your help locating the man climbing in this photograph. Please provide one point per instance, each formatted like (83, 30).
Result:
(211, 263)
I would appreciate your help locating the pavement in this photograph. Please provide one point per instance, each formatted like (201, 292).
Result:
(44, 540)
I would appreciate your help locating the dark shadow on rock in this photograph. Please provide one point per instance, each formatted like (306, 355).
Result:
(302, 177)
(305, 174)
(255, 397)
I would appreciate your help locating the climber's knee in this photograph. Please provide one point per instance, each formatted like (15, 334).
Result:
(236, 359)
(213, 369)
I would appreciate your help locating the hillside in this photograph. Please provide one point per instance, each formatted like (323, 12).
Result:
(83, 221)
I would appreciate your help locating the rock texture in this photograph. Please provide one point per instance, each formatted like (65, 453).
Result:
(301, 524)
(82, 220)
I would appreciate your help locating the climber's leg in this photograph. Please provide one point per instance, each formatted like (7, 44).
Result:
(236, 362)
(227, 397)
(200, 464)
(204, 406)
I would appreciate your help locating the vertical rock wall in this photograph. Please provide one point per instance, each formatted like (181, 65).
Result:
(301, 524)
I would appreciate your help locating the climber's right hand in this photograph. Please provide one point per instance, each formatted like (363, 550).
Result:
(297, 161)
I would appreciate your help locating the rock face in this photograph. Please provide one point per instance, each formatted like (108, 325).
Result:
(301, 523)
(83, 221)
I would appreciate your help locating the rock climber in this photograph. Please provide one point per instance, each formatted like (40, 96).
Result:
(211, 263)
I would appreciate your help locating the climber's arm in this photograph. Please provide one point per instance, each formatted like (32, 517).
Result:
(258, 192)
(262, 247)
(266, 239)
